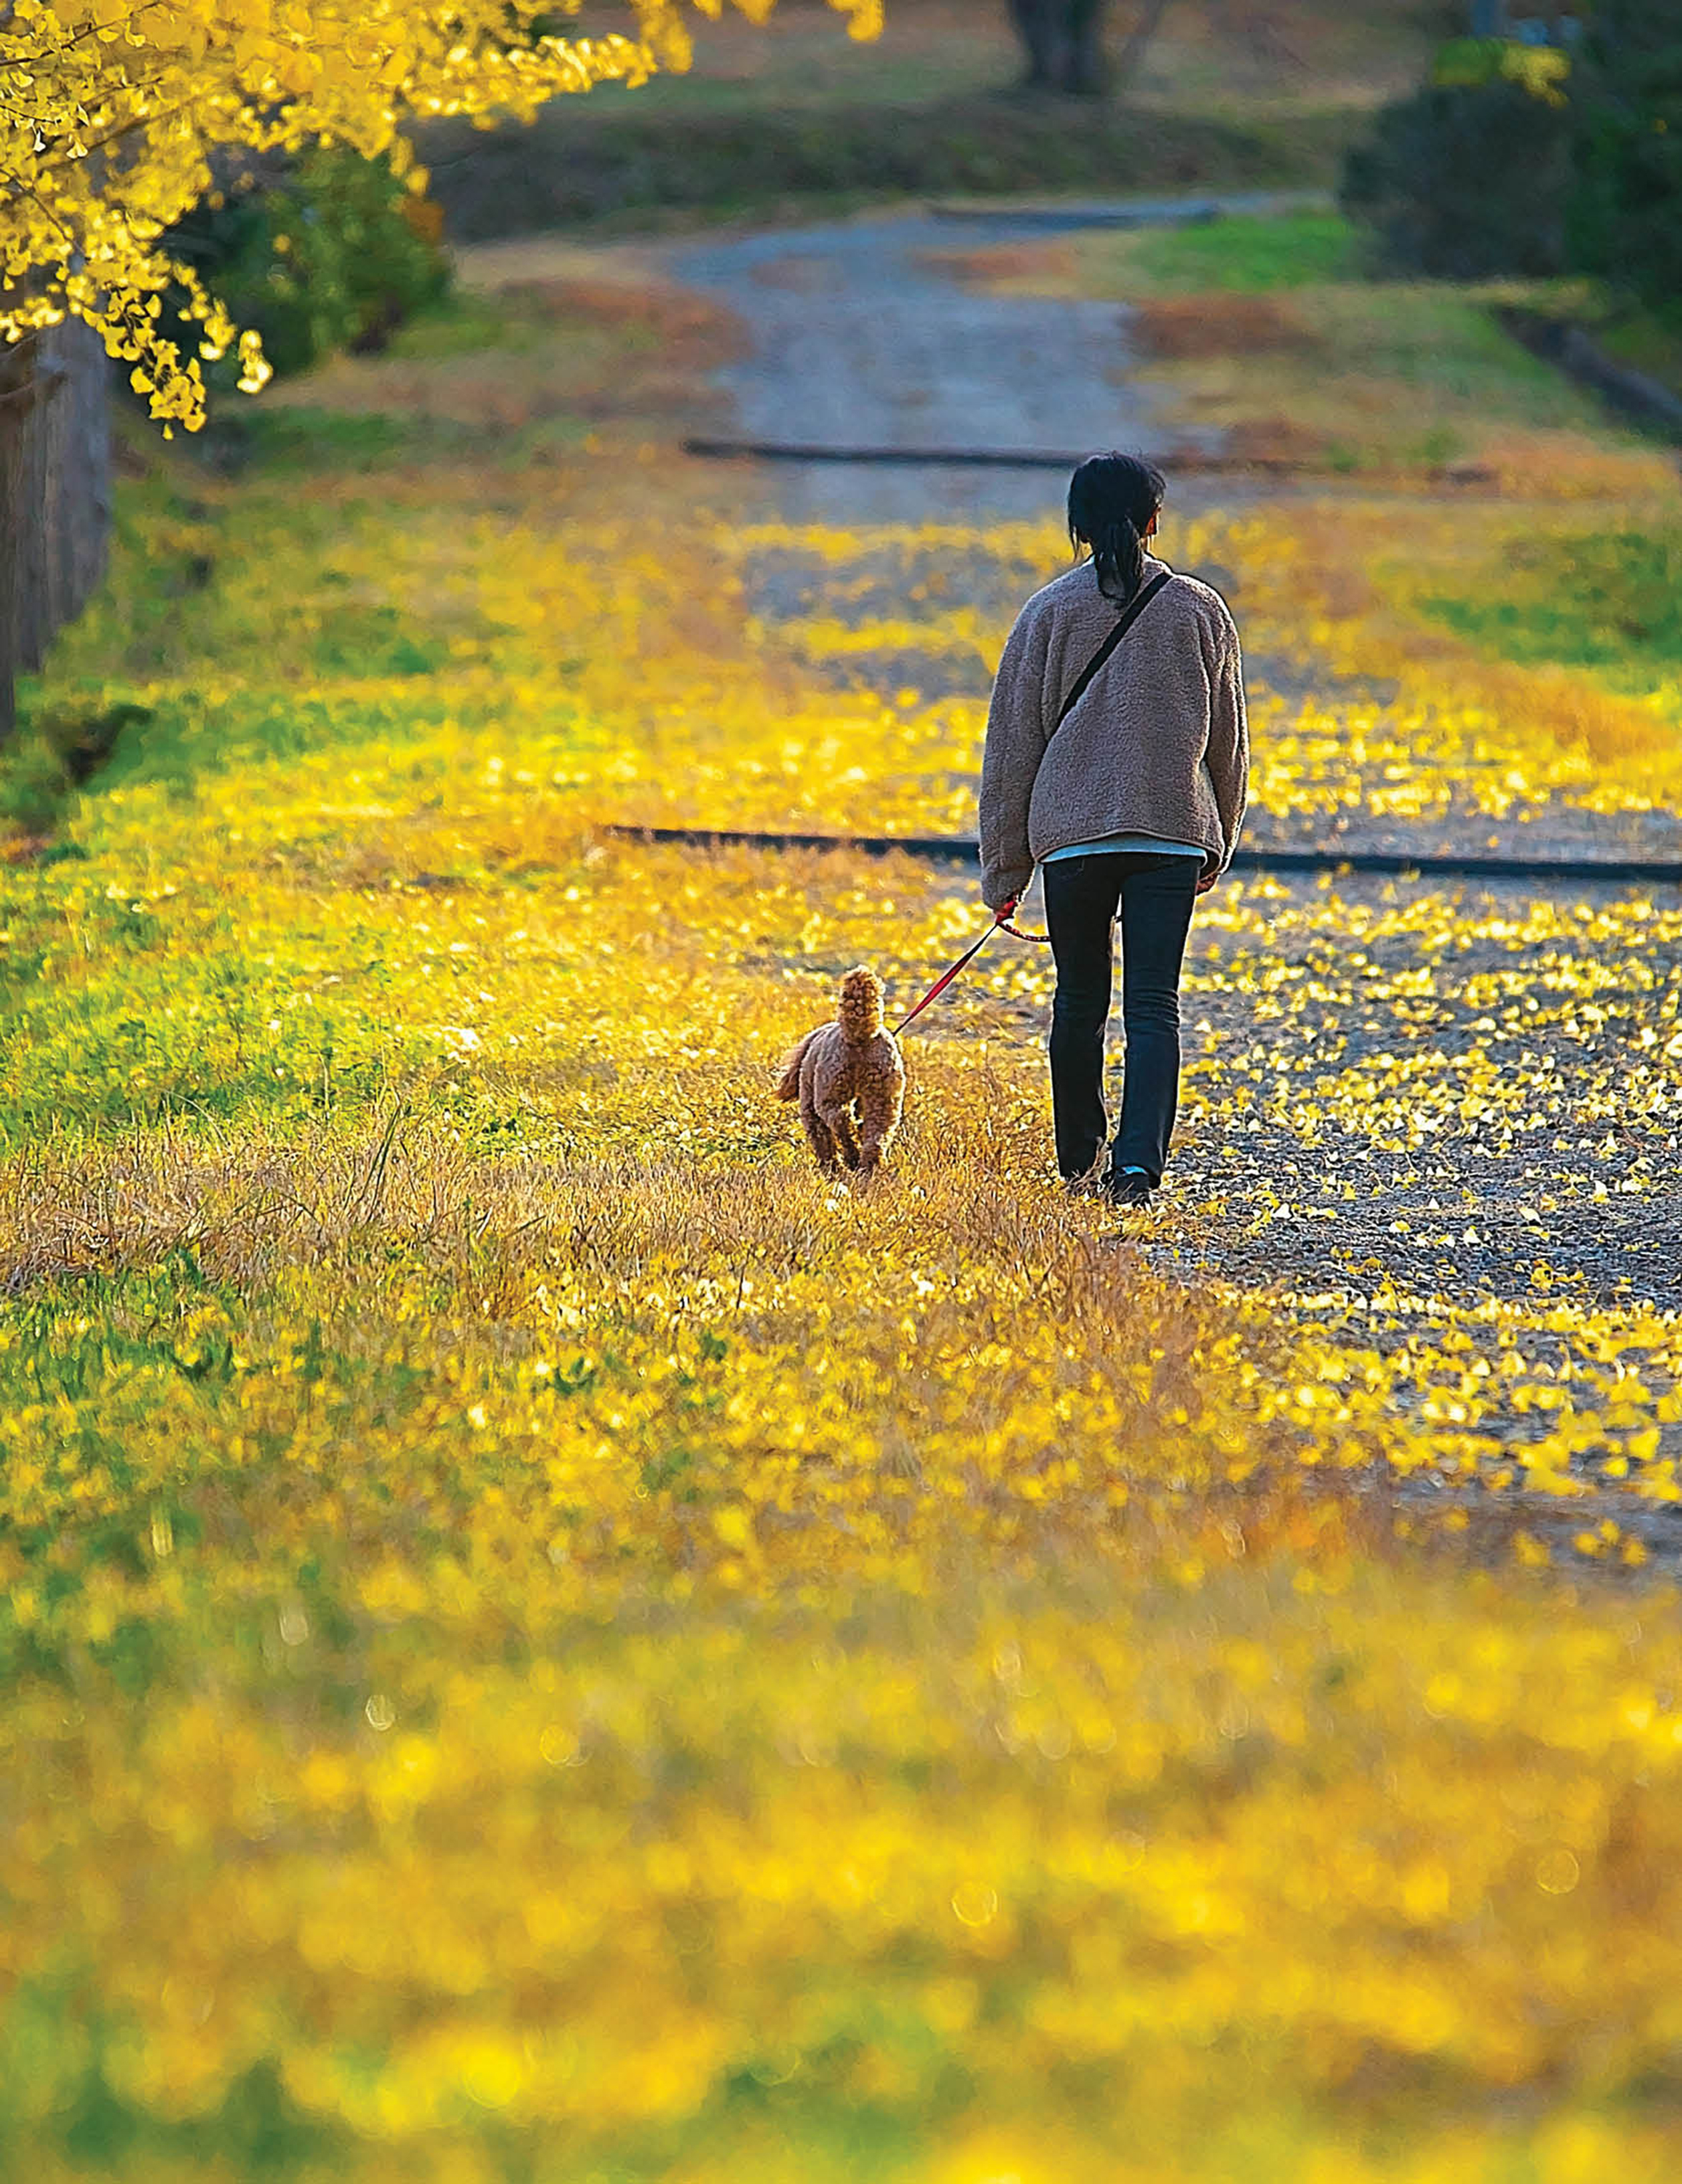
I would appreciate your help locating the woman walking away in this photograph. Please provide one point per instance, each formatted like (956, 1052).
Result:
(1117, 758)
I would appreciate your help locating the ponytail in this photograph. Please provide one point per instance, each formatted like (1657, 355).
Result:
(1118, 557)
(1111, 501)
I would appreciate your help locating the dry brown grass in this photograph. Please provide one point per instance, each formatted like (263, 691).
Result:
(613, 344)
(1174, 329)
(1281, 442)
(525, 1249)
(1555, 466)
(1178, 327)
(966, 1173)
(1567, 707)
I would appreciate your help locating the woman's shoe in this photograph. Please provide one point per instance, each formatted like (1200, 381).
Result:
(1129, 1186)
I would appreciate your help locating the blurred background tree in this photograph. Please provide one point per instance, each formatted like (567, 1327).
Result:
(1063, 41)
(1552, 145)
(1625, 219)
(1469, 176)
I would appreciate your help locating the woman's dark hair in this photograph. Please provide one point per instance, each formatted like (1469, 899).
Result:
(1111, 498)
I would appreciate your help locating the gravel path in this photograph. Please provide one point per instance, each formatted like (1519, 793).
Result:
(1442, 1129)
(1393, 1084)
(1437, 1090)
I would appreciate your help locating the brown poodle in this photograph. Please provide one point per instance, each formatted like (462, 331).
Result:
(852, 1063)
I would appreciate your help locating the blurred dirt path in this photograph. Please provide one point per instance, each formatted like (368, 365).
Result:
(860, 337)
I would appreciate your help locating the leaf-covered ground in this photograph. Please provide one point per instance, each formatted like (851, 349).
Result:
(1442, 1116)
(542, 1640)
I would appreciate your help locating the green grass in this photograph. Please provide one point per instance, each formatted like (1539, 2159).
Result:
(1249, 256)
(1437, 338)
(1381, 373)
(305, 438)
(1606, 600)
(464, 323)
(197, 657)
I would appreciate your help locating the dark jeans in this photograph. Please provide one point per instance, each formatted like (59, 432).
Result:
(1154, 896)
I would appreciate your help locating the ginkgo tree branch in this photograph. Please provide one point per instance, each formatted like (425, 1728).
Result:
(108, 119)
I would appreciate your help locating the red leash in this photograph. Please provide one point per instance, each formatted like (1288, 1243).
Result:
(1001, 923)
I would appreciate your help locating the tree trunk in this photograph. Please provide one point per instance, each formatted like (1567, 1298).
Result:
(32, 581)
(83, 526)
(1036, 26)
(1064, 42)
(1084, 72)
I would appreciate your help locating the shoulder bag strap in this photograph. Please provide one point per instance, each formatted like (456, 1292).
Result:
(1135, 607)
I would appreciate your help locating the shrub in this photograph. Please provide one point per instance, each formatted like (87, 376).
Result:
(334, 253)
(1466, 180)
(1626, 207)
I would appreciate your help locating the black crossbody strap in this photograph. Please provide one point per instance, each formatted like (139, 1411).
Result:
(1135, 607)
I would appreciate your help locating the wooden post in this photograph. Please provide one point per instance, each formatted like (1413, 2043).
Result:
(19, 533)
(79, 469)
(55, 493)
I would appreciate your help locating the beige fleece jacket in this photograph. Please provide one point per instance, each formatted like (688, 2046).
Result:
(1158, 743)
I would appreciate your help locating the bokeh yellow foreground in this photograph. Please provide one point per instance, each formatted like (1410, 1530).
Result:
(543, 1641)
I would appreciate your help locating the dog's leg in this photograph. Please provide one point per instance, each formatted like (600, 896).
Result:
(819, 1135)
(880, 1104)
(840, 1121)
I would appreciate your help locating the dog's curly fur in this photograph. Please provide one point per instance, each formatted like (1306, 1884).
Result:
(850, 1080)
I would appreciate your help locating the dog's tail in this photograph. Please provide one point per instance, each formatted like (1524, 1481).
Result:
(860, 1006)
(788, 1084)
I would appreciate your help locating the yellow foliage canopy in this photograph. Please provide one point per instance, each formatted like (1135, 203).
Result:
(109, 113)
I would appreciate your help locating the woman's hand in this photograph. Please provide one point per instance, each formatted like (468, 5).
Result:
(1007, 909)
(1208, 881)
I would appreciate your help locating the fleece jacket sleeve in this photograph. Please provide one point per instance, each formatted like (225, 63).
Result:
(1227, 756)
(1017, 736)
